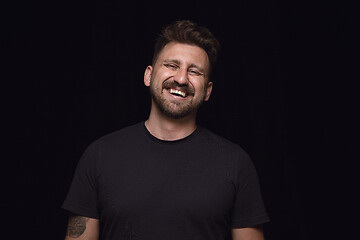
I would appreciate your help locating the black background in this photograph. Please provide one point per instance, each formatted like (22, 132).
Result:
(283, 90)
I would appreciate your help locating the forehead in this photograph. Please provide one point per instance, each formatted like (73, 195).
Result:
(184, 53)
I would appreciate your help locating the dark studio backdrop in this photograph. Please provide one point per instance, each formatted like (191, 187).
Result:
(75, 73)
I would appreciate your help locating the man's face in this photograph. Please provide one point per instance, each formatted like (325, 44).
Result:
(179, 79)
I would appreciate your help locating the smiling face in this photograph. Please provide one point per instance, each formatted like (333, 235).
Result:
(178, 80)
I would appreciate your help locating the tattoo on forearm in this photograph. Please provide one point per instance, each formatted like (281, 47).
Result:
(76, 226)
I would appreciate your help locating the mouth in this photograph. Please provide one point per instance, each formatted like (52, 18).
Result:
(177, 93)
(177, 90)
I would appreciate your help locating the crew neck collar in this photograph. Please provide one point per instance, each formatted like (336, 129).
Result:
(170, 142)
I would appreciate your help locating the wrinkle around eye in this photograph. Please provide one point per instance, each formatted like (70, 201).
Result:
(196, 73)
(171, 66)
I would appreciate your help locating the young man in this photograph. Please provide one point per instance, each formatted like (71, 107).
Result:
(167, 178)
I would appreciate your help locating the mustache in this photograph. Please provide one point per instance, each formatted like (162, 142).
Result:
(188, 89)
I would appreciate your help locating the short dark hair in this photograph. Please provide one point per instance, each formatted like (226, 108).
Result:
(188, 32)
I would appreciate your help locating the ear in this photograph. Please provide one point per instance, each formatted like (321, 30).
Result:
(147, 75)
(208, 91)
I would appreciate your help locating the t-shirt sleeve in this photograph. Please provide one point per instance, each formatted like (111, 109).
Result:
(82, 196)
(249, 209)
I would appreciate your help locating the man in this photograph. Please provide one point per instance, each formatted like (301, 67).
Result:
(167, 178)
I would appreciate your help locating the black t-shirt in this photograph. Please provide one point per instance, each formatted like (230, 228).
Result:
(143, 188)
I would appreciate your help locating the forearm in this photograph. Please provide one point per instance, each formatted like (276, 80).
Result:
(82, 228)
(250, 233)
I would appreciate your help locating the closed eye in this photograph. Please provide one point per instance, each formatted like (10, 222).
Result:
(195, 72)
(171, 66)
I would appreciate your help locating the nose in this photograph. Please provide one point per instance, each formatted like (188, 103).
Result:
(181, 76)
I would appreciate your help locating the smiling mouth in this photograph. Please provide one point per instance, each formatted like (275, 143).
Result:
(177, 93)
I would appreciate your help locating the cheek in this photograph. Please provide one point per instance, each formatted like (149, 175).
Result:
(165, 75)
(200, 91)
(200, 85)
(160, 77)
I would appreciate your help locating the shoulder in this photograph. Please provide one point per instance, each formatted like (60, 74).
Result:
(113, 146)
(231, 155)
(227, 147)
(124, 134)
(225, 150)
(120, 137)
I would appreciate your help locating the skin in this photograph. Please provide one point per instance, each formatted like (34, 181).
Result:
(249, 233)
(186, 67)
(82, 228)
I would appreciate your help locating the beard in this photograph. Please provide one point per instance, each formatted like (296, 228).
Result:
(176, 110)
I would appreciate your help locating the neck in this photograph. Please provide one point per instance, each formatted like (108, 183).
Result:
(165, 128)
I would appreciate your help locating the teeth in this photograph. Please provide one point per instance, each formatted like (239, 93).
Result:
(177, 92)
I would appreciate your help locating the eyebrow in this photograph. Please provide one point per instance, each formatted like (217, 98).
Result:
(178, 62)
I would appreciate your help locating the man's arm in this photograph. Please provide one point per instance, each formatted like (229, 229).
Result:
(82, 228)
(249, 233)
